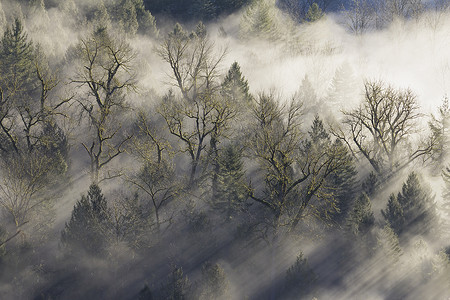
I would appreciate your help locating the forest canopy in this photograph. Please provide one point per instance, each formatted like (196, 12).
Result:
(231, 149)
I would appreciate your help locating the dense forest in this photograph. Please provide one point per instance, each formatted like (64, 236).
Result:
(238, 149)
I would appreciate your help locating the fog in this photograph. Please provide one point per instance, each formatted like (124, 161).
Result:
(158, 247)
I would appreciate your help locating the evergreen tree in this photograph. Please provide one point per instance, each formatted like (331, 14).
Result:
(413, 210)
(229, 6)
(260, 21)
(88, 228)
(314, 13)
(389, 245)
(361, 219)
(147, 22)
(230, 193)
(235, 87)
(445, 207)
(440, 128)
(342, 93)
(177, 287)
(394, 215)
(370, 184)
(300, 279)
(17, 63)
(203, 10)
(214, 284)
(127, 16)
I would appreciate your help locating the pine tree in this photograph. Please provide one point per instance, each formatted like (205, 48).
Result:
(229, 6)
(88, 228)
(203, 10)
(300, 279)
(127, 17)
(370, 184)
(177, 287)
(235, 87)
(342, 93)
(17, 63)
(394, 215)
(260, 21)
(214, 284)
(230, 193)
(147, 22)
(361, 219)
(314, 13)
(440, 129)
(446, 198)
(389, 245)
(413, 210)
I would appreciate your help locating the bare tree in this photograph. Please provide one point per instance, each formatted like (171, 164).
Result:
(156, 177)
(105, 68)
(200, 117)
(359, 16)
(294, 168)
(380, 129)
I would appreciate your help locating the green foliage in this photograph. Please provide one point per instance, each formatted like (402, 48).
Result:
(177, 287)
(235, 87)
(314, 13)
(389, 245)
(213, 284)
(440, 129)
(230, 193)
(89, 226)
(260, 21)
(203, 9)
(300, 278)
(194, 10)
(413, 210)
(131, 222)
(16, 61)
(361, 220)
(370, 184)
(394, 214)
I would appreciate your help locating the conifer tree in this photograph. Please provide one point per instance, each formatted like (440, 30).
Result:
(445, 207)
(394, 214)
(300, 279)
(413, 210)
(88, 228)
(230, 193)
(178, 286)
(214, 284)
(314, 13)
(361, 219)
(370, 184)
(235, 87)
(440, 128)
(389, 245)
(203, 10)
(260, 21)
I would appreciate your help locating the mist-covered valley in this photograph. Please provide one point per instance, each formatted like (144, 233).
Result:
(224, 149)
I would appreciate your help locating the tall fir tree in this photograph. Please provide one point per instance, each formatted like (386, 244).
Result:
(235, 87)
(260, 21)
(89, 225)
(389, 245)
(299, 280)
(413, 210)
(17, 63)
(314, 13)
(361, 219)
(230, 192)
(440, 129)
